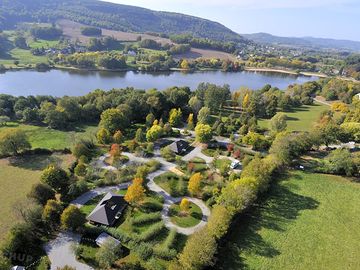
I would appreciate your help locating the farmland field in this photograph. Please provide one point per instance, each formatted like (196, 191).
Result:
(308, 221)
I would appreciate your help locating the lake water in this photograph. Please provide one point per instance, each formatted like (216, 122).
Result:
(77, 83)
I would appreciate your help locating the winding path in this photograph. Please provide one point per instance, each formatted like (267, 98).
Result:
(60, 250)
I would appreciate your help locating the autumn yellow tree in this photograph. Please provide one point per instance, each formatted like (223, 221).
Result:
(184, 206)
(118, 137)
(184, 64)
(136, 192)
(190, 121)
(246, 101)
(194, 184)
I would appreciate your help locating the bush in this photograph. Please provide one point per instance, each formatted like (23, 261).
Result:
(143, 219)
(152, 231)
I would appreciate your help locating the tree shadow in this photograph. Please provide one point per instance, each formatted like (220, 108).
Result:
(34, 162)
(272, 212)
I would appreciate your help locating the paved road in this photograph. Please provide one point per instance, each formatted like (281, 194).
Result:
(60, 251)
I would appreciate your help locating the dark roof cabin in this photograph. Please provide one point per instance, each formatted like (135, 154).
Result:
(179, 147)
(108, 211)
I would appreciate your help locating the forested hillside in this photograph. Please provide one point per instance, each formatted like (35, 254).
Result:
(325, 43)
(111, 16)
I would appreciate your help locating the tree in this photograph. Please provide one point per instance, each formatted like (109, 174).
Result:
(56, 178)
(195, 104)
(190, 121)
(154, 133)
(246, 101)
(80, 169)
(52, 211)
(194, 184)
(20, 42)
(175, 117)
(41, 193)
(115, 150)
(108, 253)
(72, 218)
(139, 135)
(278, 122)
(103, 136)
(150, 118)
(184, 64)
(113, 120)
(118, 137)
(219, 221)
(185, 206)
(13, 141)
(197, 256)
(203, 133)
(55, 119)
(136, 192)
(204, 115)
(84, 148)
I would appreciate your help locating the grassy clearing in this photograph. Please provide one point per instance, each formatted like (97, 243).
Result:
(308, 221)
(300, 119)
(185, 220)
(43, 137)
(164, 180)
(16, 179)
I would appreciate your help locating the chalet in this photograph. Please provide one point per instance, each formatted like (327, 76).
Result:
(108, 211)
(179, 147)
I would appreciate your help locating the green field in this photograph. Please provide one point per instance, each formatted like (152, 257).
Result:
(43, 137)
(308, 221)
(300, 119)
(16, 178)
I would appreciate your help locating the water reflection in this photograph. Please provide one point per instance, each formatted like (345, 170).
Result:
(80, 82)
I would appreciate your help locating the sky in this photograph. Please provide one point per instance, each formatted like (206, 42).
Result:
(339, 19)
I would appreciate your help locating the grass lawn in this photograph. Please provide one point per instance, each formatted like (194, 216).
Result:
(24, 57)
(164, 180)
(189, 220)
(43, 137)
(16, 178)
(300, 119)
(308, 221)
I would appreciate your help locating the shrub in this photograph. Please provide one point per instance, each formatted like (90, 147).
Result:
(143, 219)
(152, 231)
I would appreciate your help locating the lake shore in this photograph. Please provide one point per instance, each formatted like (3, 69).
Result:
(284, 71)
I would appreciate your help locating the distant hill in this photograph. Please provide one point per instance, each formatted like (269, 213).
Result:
(324, 43)
(111, 16)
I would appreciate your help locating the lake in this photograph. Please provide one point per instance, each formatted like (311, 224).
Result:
(77, 83)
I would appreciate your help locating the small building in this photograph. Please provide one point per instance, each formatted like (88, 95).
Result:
(108, 211)
(179, 147)
(103, 237)
(17, 267)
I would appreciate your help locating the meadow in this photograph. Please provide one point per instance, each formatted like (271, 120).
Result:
(17, 175)
(300, 119)
(307, 221)
(43, 137)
